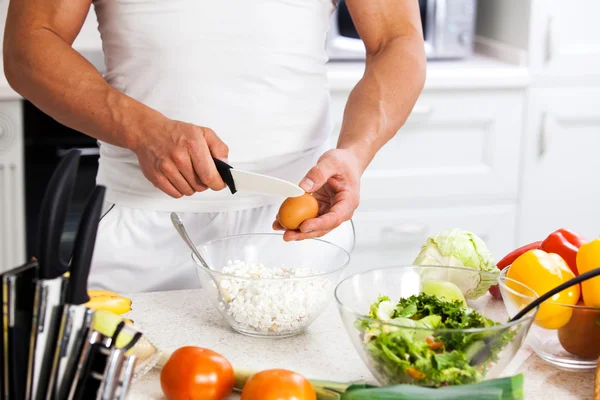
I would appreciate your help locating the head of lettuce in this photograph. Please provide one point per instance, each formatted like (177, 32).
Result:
(458, 248)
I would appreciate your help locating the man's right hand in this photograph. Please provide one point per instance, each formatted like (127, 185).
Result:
(41, 65)
(177, 157)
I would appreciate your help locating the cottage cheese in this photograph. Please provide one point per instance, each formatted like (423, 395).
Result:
(266, 302)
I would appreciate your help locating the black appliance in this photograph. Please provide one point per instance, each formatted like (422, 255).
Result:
(45, 142)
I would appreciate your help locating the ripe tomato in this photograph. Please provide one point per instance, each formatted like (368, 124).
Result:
(193, 373)
(278, 384)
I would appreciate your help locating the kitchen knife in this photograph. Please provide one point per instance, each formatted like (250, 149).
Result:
(104, 372)
(118, 374)
(18, 291)
(90, 367)
(50, 288)
(250, 182)
(76, 318)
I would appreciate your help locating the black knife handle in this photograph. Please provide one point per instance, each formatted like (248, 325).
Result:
(53, 215)
(85, 242)
(224, 170)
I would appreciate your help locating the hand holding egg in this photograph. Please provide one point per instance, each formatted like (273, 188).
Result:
(333, 191)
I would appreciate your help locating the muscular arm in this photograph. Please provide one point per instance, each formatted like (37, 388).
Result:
(394, 74)
(41, 65)
(376, 109)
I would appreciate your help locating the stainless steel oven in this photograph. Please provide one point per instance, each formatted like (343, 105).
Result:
(448, 28)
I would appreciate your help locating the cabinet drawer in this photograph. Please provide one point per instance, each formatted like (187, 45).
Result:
(395, 237)
(458, 144)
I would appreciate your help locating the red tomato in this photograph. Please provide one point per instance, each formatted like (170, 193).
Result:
(193, 373)
(278, 384)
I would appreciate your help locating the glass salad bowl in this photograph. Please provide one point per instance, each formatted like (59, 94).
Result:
(573, 343)
(266, 287)
(415, 325)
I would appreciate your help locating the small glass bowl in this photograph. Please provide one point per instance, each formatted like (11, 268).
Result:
(271, 306)
(574, 346)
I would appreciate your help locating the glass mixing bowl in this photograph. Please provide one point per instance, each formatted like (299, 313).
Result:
(264, 286)
(397, 353)
(575, 345)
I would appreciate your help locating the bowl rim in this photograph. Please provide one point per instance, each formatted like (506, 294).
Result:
(271, 234)
(503, 277)
(361, 316)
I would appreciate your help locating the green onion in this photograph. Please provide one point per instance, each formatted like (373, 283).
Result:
(510, 388)
(496, 389)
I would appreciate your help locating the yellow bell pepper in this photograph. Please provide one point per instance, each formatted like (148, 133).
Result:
(588, 258)
(542, 272)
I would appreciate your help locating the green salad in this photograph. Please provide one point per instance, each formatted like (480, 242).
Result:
(423, 356)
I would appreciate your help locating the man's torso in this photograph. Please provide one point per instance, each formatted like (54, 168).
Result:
(251, 70)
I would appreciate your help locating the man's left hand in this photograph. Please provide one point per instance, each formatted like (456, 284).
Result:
(335, 183)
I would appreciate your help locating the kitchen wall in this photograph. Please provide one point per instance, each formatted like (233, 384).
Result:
(492, 17)
(89, 37)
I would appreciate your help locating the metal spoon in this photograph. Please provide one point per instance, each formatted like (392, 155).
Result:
(178, 224)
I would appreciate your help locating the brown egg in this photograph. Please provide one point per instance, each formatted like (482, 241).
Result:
(580, 336)
(296, 210)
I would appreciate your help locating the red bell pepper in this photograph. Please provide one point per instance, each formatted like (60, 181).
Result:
(513, 255)
(566, 244)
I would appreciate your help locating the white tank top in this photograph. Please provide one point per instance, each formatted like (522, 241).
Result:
(251, 70)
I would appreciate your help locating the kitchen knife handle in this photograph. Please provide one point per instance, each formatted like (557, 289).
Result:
(84, 248)
(53, 215)
(224, 170)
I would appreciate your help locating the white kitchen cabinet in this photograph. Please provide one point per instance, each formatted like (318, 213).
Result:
(394, 237)
(565, 40)
(12, 217)
(560, 40)
(456, 144)
(561, 163)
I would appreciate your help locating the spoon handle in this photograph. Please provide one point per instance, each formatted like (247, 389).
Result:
(178, 224)
(571, 282)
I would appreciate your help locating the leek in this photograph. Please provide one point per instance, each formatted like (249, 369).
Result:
(510, 388)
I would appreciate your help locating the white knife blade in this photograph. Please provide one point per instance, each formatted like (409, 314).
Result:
(251, 182)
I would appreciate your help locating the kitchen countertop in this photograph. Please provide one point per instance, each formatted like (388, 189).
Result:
(477, 72)
(181, 318)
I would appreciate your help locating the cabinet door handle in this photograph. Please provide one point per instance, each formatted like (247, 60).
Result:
(551, 39)
(404, 231)
(545, 134)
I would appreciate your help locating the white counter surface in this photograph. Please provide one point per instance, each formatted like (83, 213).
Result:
(478, 72)
(175, 319)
